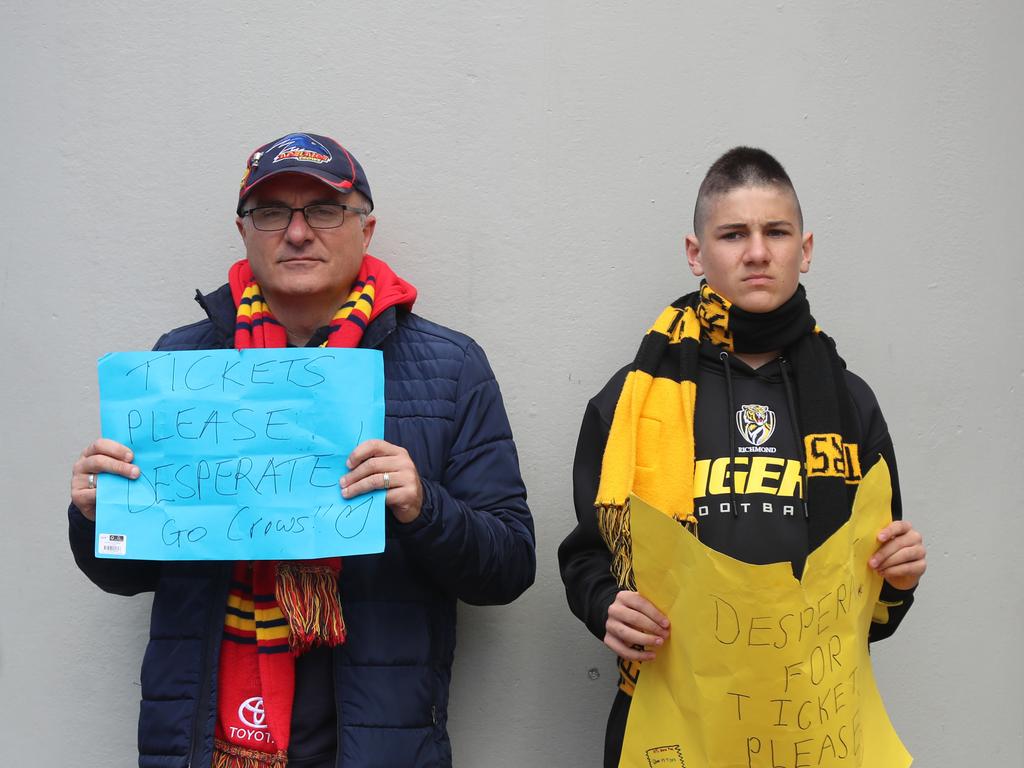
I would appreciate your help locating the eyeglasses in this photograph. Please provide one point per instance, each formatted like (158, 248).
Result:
(274, 218)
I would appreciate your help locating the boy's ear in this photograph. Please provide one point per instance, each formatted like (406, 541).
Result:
(693, 255)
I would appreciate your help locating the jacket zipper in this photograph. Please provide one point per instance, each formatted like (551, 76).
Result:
(206, 669)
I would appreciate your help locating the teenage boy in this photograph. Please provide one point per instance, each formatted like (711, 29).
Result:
(728, 375)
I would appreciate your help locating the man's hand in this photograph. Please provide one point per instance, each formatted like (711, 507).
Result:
(101, 456)
(634, 625)
(369, 462)
(900, 557)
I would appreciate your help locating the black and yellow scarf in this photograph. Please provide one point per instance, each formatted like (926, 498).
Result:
(650, 448)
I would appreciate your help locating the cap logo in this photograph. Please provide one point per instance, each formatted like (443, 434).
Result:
(300, 147)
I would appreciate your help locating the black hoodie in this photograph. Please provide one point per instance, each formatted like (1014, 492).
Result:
(747, 496)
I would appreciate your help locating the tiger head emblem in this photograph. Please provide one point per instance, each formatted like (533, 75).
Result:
(756, 423)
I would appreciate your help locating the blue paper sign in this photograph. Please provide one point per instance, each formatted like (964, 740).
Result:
(240, 453)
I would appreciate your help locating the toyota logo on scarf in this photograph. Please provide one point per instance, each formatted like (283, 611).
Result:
(254, 723)
(251, 712)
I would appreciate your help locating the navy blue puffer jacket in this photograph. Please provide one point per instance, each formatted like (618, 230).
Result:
(473, 541)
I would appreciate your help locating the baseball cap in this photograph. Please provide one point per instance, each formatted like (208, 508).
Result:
(318, 156)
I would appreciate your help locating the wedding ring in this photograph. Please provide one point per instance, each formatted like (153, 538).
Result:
(91, 480)
(387, 480)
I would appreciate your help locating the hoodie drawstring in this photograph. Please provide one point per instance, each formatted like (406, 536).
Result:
(790, 403)
(731, 405)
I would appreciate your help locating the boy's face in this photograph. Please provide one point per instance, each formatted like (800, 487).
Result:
(752, 249)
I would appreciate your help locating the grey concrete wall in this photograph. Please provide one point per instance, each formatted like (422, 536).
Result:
(535, 165)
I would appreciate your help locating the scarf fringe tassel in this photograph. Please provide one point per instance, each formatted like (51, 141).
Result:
(308, 596)
(613, 522)
(230, 756)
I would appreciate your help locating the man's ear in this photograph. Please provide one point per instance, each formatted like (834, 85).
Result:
(693, 255)
(368, 227)
(241, 227)
(807, 247)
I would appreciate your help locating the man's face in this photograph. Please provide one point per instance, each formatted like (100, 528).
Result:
(752, 250)
(300, 261)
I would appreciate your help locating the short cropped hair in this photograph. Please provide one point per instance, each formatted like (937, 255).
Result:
(740, 167)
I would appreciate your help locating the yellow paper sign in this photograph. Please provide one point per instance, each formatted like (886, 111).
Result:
(762, 670)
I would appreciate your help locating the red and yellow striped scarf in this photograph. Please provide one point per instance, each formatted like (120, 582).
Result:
(278, 610)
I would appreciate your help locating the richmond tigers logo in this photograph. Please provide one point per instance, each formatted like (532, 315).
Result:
(756, 423)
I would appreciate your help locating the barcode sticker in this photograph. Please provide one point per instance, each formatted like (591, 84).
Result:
(113, 544)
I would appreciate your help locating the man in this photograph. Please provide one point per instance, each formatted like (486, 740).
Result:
(369, 687)
(680, 427)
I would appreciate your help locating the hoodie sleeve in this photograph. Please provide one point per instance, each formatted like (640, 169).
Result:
(583, 557)
(893, 603)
